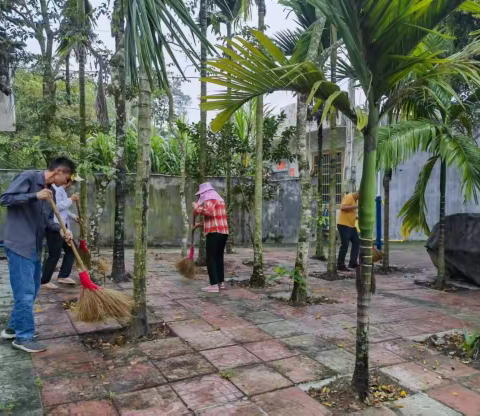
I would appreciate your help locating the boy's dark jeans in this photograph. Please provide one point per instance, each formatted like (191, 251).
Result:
(347, 235)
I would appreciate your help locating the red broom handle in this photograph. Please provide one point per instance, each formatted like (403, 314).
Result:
(64, 229)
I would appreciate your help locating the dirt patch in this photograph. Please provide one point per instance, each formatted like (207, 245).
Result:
(311, 300)
(121, 337)
(332, 277)
(69, 304)
(431, 285)
(340, 397)
(452, 345)
(397, 270)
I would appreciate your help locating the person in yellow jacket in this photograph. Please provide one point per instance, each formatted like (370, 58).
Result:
(348, 231)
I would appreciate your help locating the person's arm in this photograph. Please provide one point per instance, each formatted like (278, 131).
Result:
(207, 209)
(17, 192)
(346, 207)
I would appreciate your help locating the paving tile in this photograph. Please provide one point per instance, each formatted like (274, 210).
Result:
(282, 329)
(62, 345)
(151, 402)
(262, 317)
(164, 348)
(89, 327)
(9, 354)
(448, 367)
(242, 334)
(134, 377)
(338, 360)
(300, 369)
(257, 379)
(123, 356)
(414, 377)
(308, 344)
(68, 363)
(374, 411)
(288, 402)
(239, 408)
(61, 390)
(213, 315)
(270, 350)
(51, 318)
(421, 405)
(472, 383)
(208, 340)
(206, 391)
(174, 314)
(343, 320)
(379, 356)
(184, 366)
(408, 349)
(229, 357)
(64, 329)
(94, 407)
(17, 387)
(458, 398)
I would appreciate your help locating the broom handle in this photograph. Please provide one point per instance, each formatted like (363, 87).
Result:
(64, 229)
(82, 230)
(193, 229)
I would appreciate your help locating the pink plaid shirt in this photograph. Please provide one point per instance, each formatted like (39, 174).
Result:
(215, 216)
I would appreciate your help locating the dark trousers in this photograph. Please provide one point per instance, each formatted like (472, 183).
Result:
(347, 235)
(55, 243)
(215, 247)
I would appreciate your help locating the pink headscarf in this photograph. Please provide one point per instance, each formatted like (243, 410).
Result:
(208, 192)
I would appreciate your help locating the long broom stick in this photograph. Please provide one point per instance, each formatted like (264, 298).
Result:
(84, 251)
(186, 266)
(96, 303)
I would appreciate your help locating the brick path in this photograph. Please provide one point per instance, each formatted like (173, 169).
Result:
(241, 353)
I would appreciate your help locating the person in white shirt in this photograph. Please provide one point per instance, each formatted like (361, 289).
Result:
(55, 242)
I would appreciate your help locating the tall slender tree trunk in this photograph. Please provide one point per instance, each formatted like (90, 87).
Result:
(101, 183)
(229, 175)
(332, 207)
(139, 325)
(118, 79)
(361, 377)
(387, 177)
(349, 181)
(201, 259)
(67, 79)
(299, 292)
(441, 275)
(319, 251)
(258, 278)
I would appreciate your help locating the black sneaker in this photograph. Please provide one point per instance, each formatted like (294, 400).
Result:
(29, 346)
(9, 333)
(342, 268)
(353, 266)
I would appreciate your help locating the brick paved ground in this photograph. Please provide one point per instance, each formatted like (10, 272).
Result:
(240, 352)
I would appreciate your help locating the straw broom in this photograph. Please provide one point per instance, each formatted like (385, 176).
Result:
(84, 251)
(96, 303)
(186, 266)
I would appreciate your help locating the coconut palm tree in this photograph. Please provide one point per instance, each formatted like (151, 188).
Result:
(379, 37)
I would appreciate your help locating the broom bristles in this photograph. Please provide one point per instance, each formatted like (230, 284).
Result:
(99, 305)
(186, 267)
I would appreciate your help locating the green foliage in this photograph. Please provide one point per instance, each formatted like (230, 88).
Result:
(293, 274)
(472, 342)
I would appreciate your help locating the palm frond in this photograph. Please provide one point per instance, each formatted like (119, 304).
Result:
(415, 209)
(287, 40)
(252, 71)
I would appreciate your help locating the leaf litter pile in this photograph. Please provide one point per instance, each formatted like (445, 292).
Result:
(340, 396)
(119, 338)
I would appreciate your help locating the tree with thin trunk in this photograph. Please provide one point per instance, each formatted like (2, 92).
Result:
(320, 219)
(332, 188)
(387, 177)
(258, 277)
(139, 325)
(118, 82)
(373, 34)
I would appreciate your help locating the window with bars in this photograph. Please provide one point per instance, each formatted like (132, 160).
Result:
(327, 157)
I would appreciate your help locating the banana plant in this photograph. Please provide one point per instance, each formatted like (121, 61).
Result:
(379, 37)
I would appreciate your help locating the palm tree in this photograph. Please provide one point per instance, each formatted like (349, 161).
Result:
(448, 137)
(149, 30)
(378, 37)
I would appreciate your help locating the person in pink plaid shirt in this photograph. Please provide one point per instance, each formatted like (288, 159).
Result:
(215, 227)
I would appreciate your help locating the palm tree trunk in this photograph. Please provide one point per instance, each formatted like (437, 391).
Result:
(118, 65)
(201, 260)
(258, 278)
(101, 184)
(299, 292)
(361, 377)
(441, 276)
(319, 252)
(332, 206)
(229, 176)
(67, 79)
(81, 87)
(139, 325)
(387, 177)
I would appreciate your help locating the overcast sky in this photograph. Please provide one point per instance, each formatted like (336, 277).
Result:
(277, 18)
